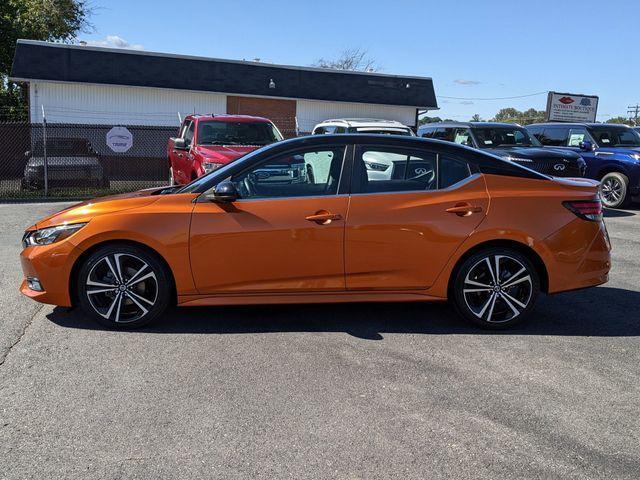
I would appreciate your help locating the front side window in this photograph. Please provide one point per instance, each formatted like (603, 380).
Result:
(492, 137)
(577, 136)
(462, 136)
(188, 133)
(215, 132)
(609, 136)
(427, 132)
(300, 174)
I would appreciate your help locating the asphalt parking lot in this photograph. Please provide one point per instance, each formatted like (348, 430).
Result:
(332, 391)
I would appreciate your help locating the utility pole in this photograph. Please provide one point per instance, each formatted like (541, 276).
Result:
(634, 111)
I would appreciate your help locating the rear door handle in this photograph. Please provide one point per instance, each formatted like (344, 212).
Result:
(464, 209)
(323, 217)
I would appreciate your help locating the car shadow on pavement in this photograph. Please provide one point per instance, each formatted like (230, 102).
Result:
(601, 311)
(618, 213)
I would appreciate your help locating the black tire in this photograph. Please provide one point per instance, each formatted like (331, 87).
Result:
(614, 189)
(492, 303)
(116, 301)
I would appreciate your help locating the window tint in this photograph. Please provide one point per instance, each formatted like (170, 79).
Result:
(382, 169)
(427, 132)
(300, 174)
(444, 134)
(535, 131)
(556, 137)
(340, 130)
(452, 171)
(324, 130)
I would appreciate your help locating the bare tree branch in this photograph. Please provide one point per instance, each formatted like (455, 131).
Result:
(354, 59)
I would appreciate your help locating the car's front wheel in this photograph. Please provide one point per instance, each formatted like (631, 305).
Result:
(613, 190)
(496, 288)
(123, 286)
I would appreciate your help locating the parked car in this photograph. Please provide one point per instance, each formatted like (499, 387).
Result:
(380, 167)
(229, 239)
(362, 125)
(71, 162)
(612, 153)
(509, 141)
(207, 142)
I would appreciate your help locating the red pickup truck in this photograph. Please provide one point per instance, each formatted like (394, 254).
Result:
(207, 142)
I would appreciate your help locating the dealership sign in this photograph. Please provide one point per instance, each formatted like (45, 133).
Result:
(119, 139)
(567, 107)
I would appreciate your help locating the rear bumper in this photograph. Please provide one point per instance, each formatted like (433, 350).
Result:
(580, 256)
(51, 265)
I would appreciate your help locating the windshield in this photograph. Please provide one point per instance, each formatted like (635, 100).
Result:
(492, 137)
(214, 132)
(607, 136)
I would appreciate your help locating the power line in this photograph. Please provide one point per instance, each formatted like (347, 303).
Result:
(494, 98)
(634, 110)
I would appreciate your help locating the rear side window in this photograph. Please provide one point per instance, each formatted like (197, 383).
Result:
(427, 132)
(554, 137)
(452, 171)
(389, 169)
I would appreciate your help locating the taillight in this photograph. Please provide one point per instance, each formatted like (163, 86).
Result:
(586, 209)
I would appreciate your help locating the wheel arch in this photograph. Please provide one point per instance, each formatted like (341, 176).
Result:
(612, 168)
(520, 247)
(73, 276)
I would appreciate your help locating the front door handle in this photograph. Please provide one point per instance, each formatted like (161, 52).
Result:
(464, 209)
(322, 217)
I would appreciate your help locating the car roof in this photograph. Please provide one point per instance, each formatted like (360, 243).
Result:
(470, 124)
(577, 124)
(225, 117)
(363, 122)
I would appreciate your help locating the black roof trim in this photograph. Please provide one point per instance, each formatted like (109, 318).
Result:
(35, 60)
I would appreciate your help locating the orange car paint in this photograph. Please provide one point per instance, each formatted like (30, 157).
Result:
(266, 251)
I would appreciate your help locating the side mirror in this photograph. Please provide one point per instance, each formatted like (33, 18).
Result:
(586, 146)
(225, 192)
(179, 144)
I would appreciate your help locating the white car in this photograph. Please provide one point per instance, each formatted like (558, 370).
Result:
(379, 167)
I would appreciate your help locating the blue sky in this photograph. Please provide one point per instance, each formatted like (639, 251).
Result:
(471, 49)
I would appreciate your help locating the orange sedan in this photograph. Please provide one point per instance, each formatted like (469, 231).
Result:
(382, 219)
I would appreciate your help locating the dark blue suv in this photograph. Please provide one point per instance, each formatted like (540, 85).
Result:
(612, 153)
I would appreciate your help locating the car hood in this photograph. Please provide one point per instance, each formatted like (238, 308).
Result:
(620, 150)
(533, 153)
(85, 211)
(224, 153)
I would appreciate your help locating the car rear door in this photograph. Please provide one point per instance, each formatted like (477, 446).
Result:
(401, 232)
(284, 235)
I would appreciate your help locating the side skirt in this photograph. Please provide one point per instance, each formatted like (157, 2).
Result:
(292, 298)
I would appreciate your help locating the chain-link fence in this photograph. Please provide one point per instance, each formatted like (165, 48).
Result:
(79, 161)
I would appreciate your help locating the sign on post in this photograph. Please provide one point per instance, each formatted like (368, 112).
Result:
(567, 107)
(119, 139)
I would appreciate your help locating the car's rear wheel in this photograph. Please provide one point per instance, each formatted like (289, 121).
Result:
(613, 190)
(496, 288)
(122, 286)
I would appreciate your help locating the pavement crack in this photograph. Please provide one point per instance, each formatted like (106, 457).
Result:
(22, 334)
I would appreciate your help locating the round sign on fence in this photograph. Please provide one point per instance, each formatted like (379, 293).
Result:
(119, 139)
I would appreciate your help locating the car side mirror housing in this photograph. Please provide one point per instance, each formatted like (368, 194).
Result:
(586, 146)
(179, 144)
(225, 192)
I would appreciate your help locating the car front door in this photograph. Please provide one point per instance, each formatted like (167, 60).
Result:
(401, 232)
(180, 157)
(284, 235)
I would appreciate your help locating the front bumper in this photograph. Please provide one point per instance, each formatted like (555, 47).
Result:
(51, 265)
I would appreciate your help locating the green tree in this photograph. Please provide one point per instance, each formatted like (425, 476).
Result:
(622, 120)
(51, 20)
(476, 118)
(424, 120)
(512, 115)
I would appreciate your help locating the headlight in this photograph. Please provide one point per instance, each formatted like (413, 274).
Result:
(211, 167)
(46, 236)
(378, 167)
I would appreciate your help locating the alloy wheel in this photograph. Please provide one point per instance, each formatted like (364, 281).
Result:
(497, 288)
(611, 190)
(122, 288)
